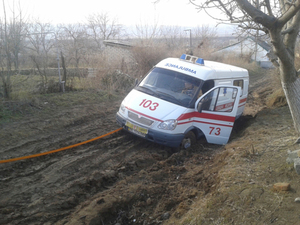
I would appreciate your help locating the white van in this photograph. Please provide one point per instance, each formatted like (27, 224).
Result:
(183, 99)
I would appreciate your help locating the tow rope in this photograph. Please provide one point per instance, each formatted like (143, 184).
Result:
(60, 149)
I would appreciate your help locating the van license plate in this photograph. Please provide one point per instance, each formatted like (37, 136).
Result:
(136, 129)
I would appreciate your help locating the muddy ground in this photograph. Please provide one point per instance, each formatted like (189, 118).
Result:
(123, 179)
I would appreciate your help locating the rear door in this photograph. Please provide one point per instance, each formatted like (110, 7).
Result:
(216, 111)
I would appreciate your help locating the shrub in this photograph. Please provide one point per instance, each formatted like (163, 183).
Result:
(148, 56)
(117, 81)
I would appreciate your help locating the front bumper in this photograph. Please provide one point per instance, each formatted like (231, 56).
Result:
(171, 140)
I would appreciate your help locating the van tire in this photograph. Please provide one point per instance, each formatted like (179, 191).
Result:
(189, 140)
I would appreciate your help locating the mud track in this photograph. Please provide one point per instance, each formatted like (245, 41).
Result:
(119, 179)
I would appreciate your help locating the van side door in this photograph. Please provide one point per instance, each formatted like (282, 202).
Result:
(216, 111)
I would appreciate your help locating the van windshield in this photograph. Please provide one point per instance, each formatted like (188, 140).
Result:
(171, 86)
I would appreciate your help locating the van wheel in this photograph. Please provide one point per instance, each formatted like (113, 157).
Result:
(188, 140)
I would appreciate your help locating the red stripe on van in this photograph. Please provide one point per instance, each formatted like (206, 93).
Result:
(242, 105)
(243, 100)
(144, 115)
(224, 106)
(197, 121)
(206, 116)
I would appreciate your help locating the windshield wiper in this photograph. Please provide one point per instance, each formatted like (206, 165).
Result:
(146, 90)
(168, 96)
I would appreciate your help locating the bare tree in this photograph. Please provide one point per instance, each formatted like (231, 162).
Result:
(173, 36)
(75, 44)
(204, 38)
(11, 38)
(41, 41)
(280, 19)
(146, 32)
(103, 27)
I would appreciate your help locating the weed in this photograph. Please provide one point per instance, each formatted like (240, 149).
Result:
(277, 98)
(5, 114)
(147, 56)
(249, 152)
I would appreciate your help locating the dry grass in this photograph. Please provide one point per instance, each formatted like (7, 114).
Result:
(148, 56)
(251, 164)
(244, 193)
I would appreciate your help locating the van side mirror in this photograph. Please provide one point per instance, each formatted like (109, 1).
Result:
(136, 82)
(199, 106)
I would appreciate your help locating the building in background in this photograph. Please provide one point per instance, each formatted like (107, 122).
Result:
(249, 48)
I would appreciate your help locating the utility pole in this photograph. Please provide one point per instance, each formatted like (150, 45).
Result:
(190, 49)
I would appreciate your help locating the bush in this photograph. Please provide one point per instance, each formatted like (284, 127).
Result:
(148, 56)
(50, 87)
(117, 81)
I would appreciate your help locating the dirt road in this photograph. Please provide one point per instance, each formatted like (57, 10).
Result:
(120, 179)
(124, 172)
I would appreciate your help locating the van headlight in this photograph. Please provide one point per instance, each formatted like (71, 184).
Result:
(168, 125)
(122, 108)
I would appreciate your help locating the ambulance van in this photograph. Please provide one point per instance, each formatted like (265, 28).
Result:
(182, 99)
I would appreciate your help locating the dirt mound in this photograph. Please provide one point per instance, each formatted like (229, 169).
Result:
(255, 162)
(161, 185)
(277, 99)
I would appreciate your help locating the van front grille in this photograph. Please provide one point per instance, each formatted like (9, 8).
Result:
(140, 119)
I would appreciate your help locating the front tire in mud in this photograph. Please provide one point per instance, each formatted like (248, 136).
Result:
(188, 141)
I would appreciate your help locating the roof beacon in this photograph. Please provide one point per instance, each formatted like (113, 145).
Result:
(200, 61)
(192, 59)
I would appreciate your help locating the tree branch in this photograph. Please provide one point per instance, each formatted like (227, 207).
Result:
(288, 31)
(293, 27)
(293, 9)
(268, 6)
(225, 9)
(257, 15)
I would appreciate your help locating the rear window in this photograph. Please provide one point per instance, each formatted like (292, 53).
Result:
(239, 83)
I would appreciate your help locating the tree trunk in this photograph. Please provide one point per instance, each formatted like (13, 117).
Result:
(288, 74)
(63, 64)
(292, 93)
(6, 84)
(282, 23)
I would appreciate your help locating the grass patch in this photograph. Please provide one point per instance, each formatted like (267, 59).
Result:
(79, 97)
(277, 98)
(45, 103)
(252, 166)
(5, 114)
(27, 96)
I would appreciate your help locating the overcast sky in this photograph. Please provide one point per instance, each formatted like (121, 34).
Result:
(128, 12)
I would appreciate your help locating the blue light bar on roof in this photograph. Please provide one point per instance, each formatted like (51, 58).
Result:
(192, 59)
(200, 61)
(183, 56)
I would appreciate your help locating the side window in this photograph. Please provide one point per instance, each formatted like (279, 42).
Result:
(209, 84)
(209, 101)
(219, 100)
(239, 83)
(226, 99)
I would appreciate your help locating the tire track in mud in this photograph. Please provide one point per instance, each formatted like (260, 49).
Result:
(34, 188)
(72, 133)
(49, 189)
(56, 183)
(152, 182)
(166, 185)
